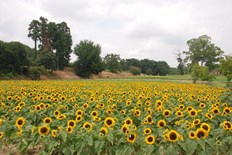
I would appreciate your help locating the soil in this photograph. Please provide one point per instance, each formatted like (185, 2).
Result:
(68, 74)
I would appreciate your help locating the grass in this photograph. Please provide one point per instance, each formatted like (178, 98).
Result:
(219, 81)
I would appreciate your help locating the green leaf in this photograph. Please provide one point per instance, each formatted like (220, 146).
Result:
(67, 150)
(191, 147)
(90, 140)
(110, 138)
(202, 144)
(149, 149)
(23, 146)
(43, 153)
(170, 150)
(64, 135)
(98, 146)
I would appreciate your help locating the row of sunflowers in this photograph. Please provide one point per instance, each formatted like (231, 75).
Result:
(114, 117)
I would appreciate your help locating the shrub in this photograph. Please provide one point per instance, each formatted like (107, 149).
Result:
(135, 70)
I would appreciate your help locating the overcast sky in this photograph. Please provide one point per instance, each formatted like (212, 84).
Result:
(153, 29)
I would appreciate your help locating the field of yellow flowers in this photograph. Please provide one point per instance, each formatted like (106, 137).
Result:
(115, 117)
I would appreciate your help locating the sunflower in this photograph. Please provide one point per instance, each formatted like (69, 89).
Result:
(78, 118)
(123, 112)
(179, 113)
(128, 102)
(158, 103)
(109, 122)
(54, 133)
(166, 113)
(37, 108)
(193, 113)
(131, 137)
(181, 106)
(172, 136)
(205, 126)
(71, 123)
(180, 100)
(191, 134)
(216, 111)
(161, 123)
(137, 112)
(103, 131)
(201, 133)
(20, 122)
(94, 113)
(147, 131)
(202, 105)
(86, 105)
(227, 125)
(56, 113)
(47, 120)
(88, 126)
(149, 119)
(79, 112)
(61, 116)
(43, 130)
(1, 134)
(226, 110)
(128, 121)
(196, 121)
(189, 108)
(1, 121)
(69, 129)
(125, 129)
(148, 103)
(209, 116)
(150, 139)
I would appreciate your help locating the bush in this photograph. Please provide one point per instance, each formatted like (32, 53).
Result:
(35, 72)
(135, 70)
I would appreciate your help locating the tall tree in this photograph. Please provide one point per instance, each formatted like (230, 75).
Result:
(112, 62)
(89, 60)
(226, 67)
(180, 61)
(203, 52)
(34, 33)
(146, 66)
(45, 36)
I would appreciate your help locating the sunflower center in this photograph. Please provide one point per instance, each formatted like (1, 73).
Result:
(47, 121)
(173, 136)
(161, 124)
(150, 139)
(87, 126)
(205, 127)
(71, 123)
(132, 137)
(200, 134)
(103, 131)
(149, 119)
(193, 113)
(109, 122)
(44, 130)
(20, 122)
(166, 113)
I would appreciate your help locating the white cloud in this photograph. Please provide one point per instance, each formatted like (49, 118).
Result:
(152, 29)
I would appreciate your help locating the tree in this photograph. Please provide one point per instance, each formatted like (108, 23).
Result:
(47, 59)
(13, 57)
(34, 33)
(112, 63)
(201, 73)
(89, 60)
(61, 42)
(226, 67)
(146, 66)
(203, 52)
(161, 68)
(53, 37)
(180, 66)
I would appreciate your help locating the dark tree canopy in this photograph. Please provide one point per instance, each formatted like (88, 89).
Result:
(52, 37)
(89, 60)
(13, 57)
(203, 52)
(112, 62)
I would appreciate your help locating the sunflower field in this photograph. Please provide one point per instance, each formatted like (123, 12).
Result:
(114, 117)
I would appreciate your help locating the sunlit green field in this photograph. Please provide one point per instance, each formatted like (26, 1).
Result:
(115, 117)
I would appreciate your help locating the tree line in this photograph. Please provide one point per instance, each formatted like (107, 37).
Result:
(53, 46)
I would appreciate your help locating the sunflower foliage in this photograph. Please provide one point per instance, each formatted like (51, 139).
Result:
(114, 117)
